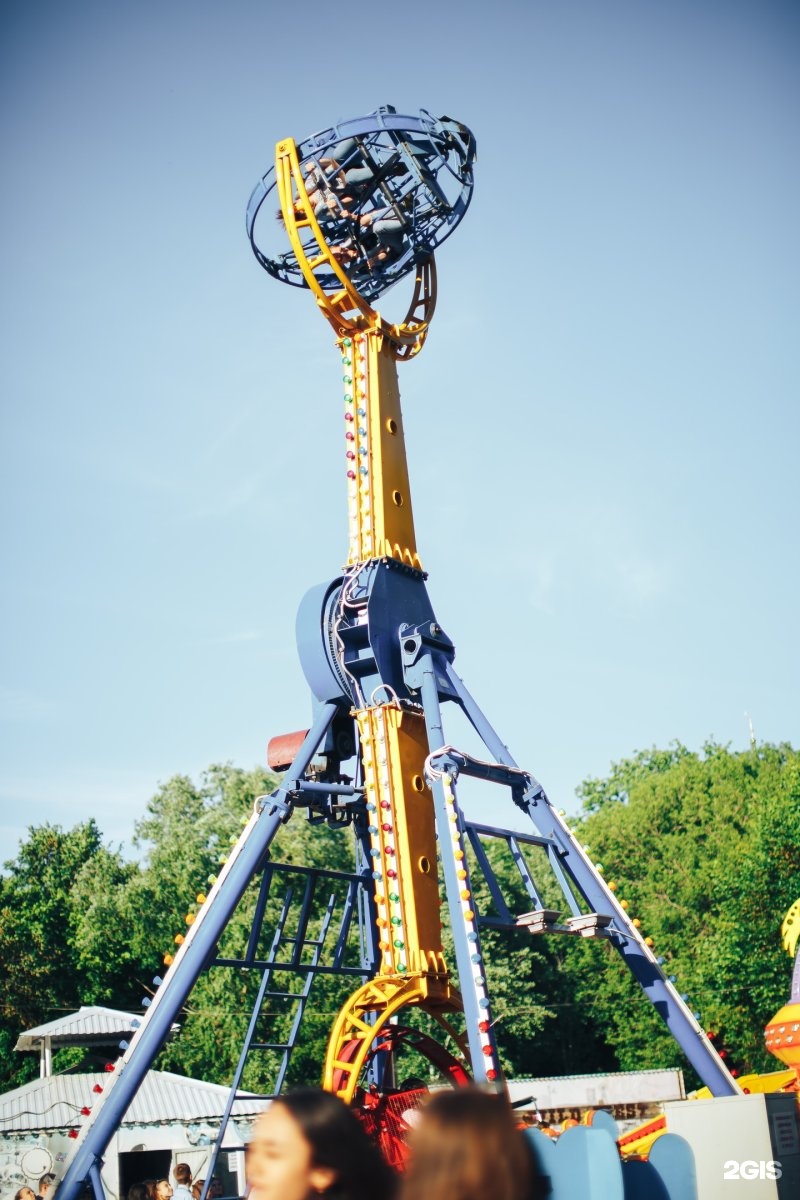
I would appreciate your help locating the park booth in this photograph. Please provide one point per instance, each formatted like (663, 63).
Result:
(171, 1119)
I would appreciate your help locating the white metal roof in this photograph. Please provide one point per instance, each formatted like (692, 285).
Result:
(613, 1087)
(163, 1098)
(91, 1023)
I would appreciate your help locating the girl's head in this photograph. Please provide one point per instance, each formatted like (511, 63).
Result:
(308, 1143)
(466, 1146)
(25, 1193)
(163, 1189)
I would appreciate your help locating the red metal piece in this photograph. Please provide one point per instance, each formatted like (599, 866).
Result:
(387, 1121)
(388, 1116)
(282, 750)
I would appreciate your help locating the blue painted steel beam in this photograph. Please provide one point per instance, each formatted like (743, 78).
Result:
(640, 960)
(464, 949)
(488, 874)
(258, 916)
(261, 964)
(251, 1028)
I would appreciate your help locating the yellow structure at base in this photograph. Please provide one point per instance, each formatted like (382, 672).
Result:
(403, 845)
(632, 1146)
(353, 1035)
(782, 1037)
(755, 1085)
(412, 971)
(782, 1034)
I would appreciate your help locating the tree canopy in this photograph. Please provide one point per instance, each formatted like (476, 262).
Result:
(703, 846)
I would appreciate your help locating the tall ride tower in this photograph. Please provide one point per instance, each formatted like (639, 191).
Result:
(365, 204)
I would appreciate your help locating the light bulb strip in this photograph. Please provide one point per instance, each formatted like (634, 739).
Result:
(466, 912)
(355, 376)
(383, 850)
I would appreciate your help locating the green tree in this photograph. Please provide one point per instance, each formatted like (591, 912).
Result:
(186, 833)
(704, 849)
(46, 913)
(540, 1025)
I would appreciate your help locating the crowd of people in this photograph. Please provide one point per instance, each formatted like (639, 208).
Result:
(46, 1188)
(465, 1145)
(186, 1188)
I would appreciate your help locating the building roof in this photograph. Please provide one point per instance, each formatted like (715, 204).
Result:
(591, 1091)
(90, 1024)
(163, 1099)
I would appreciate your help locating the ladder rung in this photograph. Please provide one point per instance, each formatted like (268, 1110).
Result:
(284, 995)
(270, 1046)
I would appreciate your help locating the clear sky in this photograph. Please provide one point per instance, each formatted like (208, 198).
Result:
(602, 428)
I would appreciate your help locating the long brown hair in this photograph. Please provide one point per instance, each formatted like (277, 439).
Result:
(467, 1147)
(337, 1140)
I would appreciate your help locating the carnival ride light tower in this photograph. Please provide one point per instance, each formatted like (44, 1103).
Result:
(365, 204)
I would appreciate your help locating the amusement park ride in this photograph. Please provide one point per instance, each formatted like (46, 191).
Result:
(365, 204)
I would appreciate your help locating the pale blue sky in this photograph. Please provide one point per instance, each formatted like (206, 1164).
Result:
(602, 429)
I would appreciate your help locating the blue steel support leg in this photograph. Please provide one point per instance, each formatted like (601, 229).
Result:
(469, 959)
(251, 1028)
(638, 956)
(491, 740)
(244, 861)
(96, 1182)
(368, 934)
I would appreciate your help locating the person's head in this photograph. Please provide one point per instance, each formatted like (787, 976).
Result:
(46, 1185)
(163, 1189)
(308, 1143)
(25, 1193)
(466, 1146)
(215, 1188)
(182, 1173)
(137, 1191)
(197, 1188)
